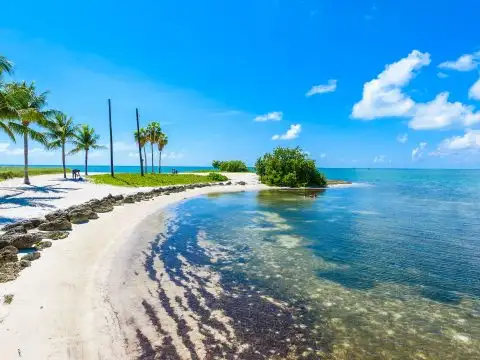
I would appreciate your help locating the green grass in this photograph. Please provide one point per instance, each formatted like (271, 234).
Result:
(10, 172)
(152, 180)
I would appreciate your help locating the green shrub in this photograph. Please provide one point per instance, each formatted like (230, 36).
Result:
(230, 166)
(289, 167)
(216, 177)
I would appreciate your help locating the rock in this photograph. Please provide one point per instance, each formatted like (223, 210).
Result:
(61, 224)
(32, 256)
(54, 235)
(25, 263)
(24, 225)
(79, 216)
(59, 214)
(43, 245)
(241, 183)
(9, 271)
(229, 183)
(8, 254)
(103, 207)
(20, 241)
(32, 223)
(16, 230)
(129, 199)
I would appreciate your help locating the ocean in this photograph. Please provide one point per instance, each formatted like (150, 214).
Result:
(388, 268)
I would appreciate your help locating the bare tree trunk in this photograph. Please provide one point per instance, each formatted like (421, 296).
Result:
(63, 162)
(145, 156)
(153, 167)
(160, 161)
(86, 162)
(26, 180)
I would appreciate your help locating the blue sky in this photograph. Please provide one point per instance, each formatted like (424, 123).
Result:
(234, 79)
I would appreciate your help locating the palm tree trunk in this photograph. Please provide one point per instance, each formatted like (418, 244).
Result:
(26, 180)
(86, 162)
(145, 156)
(160, 161)
(153, 167)
(63, 162)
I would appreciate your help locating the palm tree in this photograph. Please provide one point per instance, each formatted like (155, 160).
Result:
(162, 142)
(61, 131)
(153, 134)
(25, 107)
(85, 139)
(142, 139)
(7, 67)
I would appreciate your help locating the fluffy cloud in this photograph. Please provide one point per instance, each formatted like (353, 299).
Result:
(322, 89)
(442, 75)
(7, 150)
(402, 138)
(417, 153)
(172, 155)
(380, 159)
(474, 92)
(291, 133)
(271, 116)
(465, 62)
(440, 113)
(383, 96)
(470, 141)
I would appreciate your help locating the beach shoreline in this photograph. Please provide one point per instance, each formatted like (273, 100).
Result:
(60, 307)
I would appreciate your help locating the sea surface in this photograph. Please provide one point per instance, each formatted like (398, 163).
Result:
(388, 268)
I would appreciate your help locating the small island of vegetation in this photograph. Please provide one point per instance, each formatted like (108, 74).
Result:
(230, 166)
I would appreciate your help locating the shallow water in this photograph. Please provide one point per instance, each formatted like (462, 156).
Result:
(389, 270)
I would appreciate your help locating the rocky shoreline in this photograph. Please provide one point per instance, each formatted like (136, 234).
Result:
(35, 235)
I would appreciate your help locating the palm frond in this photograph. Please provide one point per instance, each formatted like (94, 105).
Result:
(5, 65)
(4, 126)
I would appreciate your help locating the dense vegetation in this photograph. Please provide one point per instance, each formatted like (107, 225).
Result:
(10, 172)
(289, 167)
(153, 180)
(230, 166)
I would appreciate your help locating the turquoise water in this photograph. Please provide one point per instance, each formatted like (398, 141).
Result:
(386, 269)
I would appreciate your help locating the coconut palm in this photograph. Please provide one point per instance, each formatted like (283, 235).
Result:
(5, 67)
(61, 131)
(153, 134)
(26, 108)
(162, 142)
(85, 139)
(142, 139)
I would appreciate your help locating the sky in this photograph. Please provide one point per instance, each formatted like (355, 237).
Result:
(353, 83)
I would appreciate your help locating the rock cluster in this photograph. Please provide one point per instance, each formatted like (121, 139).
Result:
(30, 234)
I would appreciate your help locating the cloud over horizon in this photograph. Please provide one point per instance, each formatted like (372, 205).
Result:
(292, 133)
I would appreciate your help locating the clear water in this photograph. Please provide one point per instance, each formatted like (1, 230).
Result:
(389, 269)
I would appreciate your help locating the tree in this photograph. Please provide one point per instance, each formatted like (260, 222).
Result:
(142, 139)
(85, 139)
(5, 115)
(289, 167)
(61, 130)
(216, 164)
(162, 142)
(153, 134)
(26, 108)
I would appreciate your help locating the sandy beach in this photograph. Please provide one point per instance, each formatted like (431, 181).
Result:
(72, 303)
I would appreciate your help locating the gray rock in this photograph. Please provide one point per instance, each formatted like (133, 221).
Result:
(241, 183)
(79, 216)
(54, 235)
(8, 254)
(20, 241)
(25, 263)
(60, 224)
(129, 199)
(9, 271)
(32, 256)
(43, 245)
(59, 214)
(16, 230)
(103, 207)
(228, 183)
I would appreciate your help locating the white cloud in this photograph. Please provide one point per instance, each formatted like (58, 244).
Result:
(291, 133)
(6, 149)
(380, 159)
(271, 116)
(440, 113)
(474, 92)
(442, 75)
(323, 156)
(402, 138)
(323, 89)
(470, 141)
(172, 155)
(465, 62)
(417, 153)
(383, 96)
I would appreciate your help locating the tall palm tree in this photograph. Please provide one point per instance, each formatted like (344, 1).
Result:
(5, 67)
(162, 142)
(26, 108)
(142, 139)
(153, 134)
(61, 131)
(85, 139)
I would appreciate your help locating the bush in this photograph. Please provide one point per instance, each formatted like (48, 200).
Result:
(289, 167)
(230, 166)
(216, 177)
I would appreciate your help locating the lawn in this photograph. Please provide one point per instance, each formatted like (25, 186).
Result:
(153, 180)
(10, 172)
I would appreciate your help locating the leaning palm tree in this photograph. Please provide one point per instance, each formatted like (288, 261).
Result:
(142, 139)
(153, 134)
(26, 108)
(5, 115)
(162, 142)
(5, 65)
(85, 139)
(61, 131)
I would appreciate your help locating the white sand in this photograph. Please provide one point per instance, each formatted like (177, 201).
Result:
(61, 307)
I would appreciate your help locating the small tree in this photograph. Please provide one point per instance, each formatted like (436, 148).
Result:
(142, 139)
(162, 142)
(6, 112)
(153, 134)
(216, 164)
(85, 140)
(289, 167)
